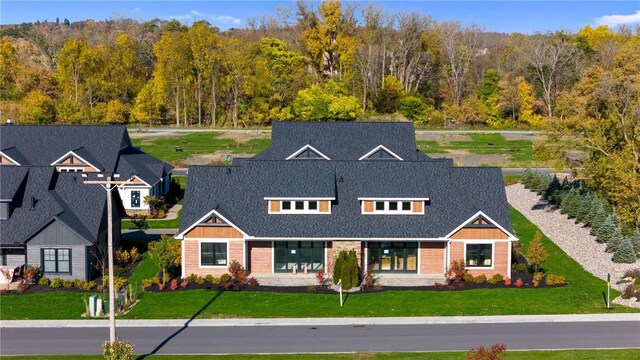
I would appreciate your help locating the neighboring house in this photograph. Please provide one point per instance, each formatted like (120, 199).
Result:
(51, 220)
(325, 187)
(88, 149)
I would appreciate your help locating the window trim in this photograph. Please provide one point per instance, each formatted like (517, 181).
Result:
(480, 242)
(212, 241)
(386, 211)
(70, 272)
(70, 169)
(304, 210)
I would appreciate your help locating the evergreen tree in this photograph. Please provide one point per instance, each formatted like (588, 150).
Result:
(599, 219)
(552, 189)
(614, 240)
(526, 178)
(593, 210)
(635, 240)
(543, 182)
(607, 229)
(574, 205)
(624, 253)
(338, 266)
(585, 207)
(567, 200)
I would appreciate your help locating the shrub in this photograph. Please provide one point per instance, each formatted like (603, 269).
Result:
(237, 272)
(119, 350)
(495, 279)
(225, 277)
(456, 271)
(496, 352)
(67, 284)
(413, 108)
(146, 283)
(615, 240)
(635, 240)
(321, 277)
(77, 282)
(121, 257)
(209, 279)
(537, 277)
(44, 281)
(337, 266)
(184, 283)
(368, 277)
(86, 285)
(518, 283)
(624, 253)
(134, 255)
(253, 281)
(632, 290)
(173, 284)
(468, 278)
(192, 278)
(507, 282)
(349, 270)
(480, 279)
(537, 254)
(30, 274)
(552, 280)
(155, 280)
(118, 282)
(161, 286)
(56, 283)
(633, 273)
(607, 229)
(139, 222)
(521, 268)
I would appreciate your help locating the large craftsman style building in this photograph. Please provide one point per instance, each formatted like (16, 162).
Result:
(325, 187)
(48, 217)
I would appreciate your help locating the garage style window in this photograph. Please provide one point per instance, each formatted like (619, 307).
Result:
(56, 260)
(479, 255)
(213, 254)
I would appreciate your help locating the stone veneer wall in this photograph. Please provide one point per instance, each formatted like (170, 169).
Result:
(347, 245)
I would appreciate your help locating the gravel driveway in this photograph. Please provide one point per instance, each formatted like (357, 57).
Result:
(573, 238)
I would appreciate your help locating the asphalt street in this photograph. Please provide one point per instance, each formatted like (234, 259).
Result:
(326, 339)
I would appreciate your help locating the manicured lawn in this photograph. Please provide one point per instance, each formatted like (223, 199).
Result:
(155, 224)
(163, 147)
(146, 269)
(511, 179)
(614, 354)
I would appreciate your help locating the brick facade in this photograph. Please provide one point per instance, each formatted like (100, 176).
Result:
(432, 258)
(260, 256)
(501, 260)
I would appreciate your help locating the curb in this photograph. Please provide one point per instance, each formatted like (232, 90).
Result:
(436, 320)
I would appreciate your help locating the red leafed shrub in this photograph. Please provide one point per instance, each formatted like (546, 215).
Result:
(460, 285)
(237, 272)
(161, 286)
(253, 282)
(496, 352)
(507, 282)
(321, 277)
(438, 285)
(184, 283)
(518, 283)
(456, 271)
(450, 287)
(173, 285)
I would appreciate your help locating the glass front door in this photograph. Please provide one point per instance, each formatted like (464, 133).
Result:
(135, 199)
(393, 256)
(298, 254)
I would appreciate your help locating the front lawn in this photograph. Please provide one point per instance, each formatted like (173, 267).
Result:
(583, 294)
(609, 354)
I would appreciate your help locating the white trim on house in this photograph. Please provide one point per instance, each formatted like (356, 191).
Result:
(418, 260)
(306, 209)
(273, 257)
(365, 156)
(74, 169)
(9, 158)
(211, 241)
(478, 242)
(392, 199)
(182, 265)
(386, 210)
(334, 238)
(302, 149)
(75, 155)
(466, 222)
(509, 262)
(144, 183)
(212, 212)
(299, 198)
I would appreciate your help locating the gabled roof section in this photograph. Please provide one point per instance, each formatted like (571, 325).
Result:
(476, 221)
(83, 155)
(307, 152)
(133, 162)
(13, 155)
(341, 140)
(11, 181)
(380, 153)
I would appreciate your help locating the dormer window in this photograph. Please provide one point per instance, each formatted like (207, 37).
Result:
(393, 206)
(299, 206)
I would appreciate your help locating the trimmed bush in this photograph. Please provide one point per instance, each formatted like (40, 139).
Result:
(348, 270)
(624, 253)
(337, 266)
(552, 280)
(119, 350)
(480, 279)
(521, 268)
(495, 279)
(537, 278)
(468, 278)
(607, 229)
(225, 277)
(614, 240)
(44, 281)
(632, 290)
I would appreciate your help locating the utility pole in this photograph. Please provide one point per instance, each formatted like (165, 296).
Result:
(109, 185)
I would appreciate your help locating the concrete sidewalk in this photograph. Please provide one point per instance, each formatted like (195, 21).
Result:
(502, 319)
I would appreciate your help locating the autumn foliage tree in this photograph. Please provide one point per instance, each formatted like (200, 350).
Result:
(536, 253)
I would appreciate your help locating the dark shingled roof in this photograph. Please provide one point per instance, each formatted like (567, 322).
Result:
(341, 140)
(145, 166)
(46, 196)
(238, 193)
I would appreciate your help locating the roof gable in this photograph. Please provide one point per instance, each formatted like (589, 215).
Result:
(307, 152)
(380, 153)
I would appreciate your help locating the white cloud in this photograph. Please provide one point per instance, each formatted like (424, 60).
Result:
(614, 20)
(136, 10)
(227, 19)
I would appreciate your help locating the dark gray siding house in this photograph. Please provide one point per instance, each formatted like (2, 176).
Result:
(53, 221)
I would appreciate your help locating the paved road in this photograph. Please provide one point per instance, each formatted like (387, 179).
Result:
(295, 339)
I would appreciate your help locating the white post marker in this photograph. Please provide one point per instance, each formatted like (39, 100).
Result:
(340, 285)
(608, 290)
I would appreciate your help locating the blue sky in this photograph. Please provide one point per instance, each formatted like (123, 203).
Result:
(501, 16)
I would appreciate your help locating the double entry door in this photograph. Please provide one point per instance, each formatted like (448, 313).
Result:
(393, 256)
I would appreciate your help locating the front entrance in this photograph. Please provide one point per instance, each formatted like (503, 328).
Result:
(135, 199)
(298, 254)
(393, 256)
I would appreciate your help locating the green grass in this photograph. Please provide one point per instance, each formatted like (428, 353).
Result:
(609, 354)
(146, 269)
(155, 224)
(583, 294)
(163, 147)
(511, 179)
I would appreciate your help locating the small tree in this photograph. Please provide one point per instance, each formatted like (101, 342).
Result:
(593, 210)
(527, 175)
(635, 240)
(585, 207)
(537, 254)
(567, 200)
(337, 266)
(598, 220)
(614, 240)
(165, 253)
(574, 205)
(624, 253)
(607, 229)
(151, 201)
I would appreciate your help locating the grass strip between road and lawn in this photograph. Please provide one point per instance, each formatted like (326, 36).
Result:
(583, 294)
(608, 354)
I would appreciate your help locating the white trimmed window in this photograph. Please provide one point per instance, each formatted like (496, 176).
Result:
(392, 207)
(213, 254)
(56, 260)
(71, 169)
(478, 255)
(300, 206)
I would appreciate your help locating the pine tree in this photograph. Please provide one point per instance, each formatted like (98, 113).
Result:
(598, 220)
(552, 189)
(526, 178)
(574, 205)
(585, 206)
(614, 240)
(635, 240)
(624, 253)
(567, 200)
(543, 182)
(593, 210)
(607, 229)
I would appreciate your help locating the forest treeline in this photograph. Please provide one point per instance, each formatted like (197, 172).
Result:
(337, 61)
